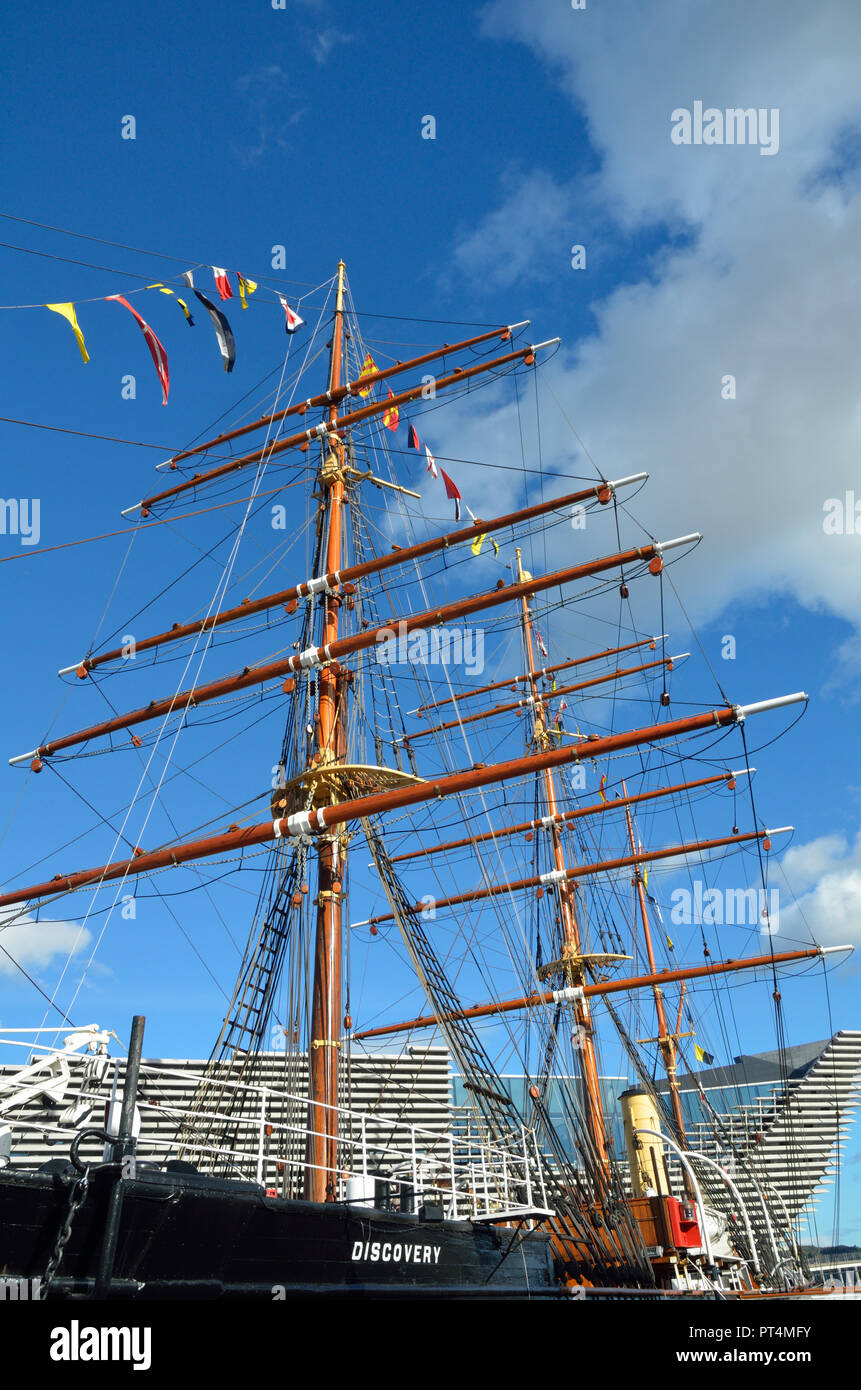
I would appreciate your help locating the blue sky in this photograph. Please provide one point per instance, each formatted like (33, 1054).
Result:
(258, 127)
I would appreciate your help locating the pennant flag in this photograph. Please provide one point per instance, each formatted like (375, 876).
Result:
(451, 491)
(293, 321)
(369, 366)
(431, 466)
(412, 438)
(646, 879)
(702, 1055)
(246, 287)
(541, 647)
(391, 417)
(222, 284)
(188, 277)
(223, 331)
(157, 352)
(601, 787)
(553, 686)
(669, 943)
(181, 302)
(68, 312)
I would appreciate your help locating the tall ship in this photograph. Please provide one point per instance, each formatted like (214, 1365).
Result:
(476, 757)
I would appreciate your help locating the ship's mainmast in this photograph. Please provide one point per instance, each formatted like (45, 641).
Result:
(326, 1002)
(572, 963)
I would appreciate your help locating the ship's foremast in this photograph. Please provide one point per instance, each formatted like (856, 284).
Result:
(329, 746)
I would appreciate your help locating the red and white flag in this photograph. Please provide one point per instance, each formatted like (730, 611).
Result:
(157, 352)
(222, 284)
(451, 491)
(541, 647)
(431, 468)
(292, 320)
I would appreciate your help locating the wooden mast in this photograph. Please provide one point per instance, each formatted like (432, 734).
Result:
(325, 1039)
(572, 955)
(666, 1039)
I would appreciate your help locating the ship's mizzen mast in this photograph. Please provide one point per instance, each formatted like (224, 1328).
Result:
(571, 964)
(330, 746)
(666, 1041)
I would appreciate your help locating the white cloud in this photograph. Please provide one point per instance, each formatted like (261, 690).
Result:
(509, 241)
(33, 943)
(828, 870)
(268, 91)
(326, 41)
(767, 287)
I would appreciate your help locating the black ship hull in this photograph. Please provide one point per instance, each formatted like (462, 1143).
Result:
(194, 1237)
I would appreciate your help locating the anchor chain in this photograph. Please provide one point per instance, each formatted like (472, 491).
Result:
(77, 1196)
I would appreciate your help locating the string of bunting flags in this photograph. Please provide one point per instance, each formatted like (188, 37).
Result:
(223, 331)
(391, 420)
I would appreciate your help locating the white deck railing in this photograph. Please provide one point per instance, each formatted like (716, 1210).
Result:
(380, 1160)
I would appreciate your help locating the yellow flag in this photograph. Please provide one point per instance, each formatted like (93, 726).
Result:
(479, 542)
(368, 366)
(645, 878)
(702, 1055)
(669, 943)
(245, 287)
(68, 312)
